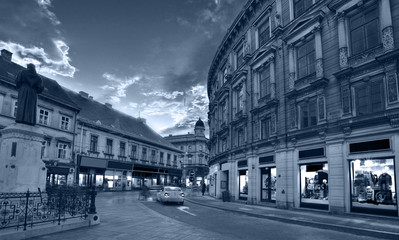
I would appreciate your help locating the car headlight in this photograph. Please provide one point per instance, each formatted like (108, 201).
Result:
(182, 194)
(166, 194)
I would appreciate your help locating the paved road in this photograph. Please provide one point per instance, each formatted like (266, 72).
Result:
(124, 217)
(237, 226)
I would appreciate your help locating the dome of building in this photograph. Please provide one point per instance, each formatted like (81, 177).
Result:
(199, 123)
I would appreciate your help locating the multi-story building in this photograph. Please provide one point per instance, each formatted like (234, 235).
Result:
(117, 151)
(304, 106)
(89, 143)
(56, 116)
(195, 154)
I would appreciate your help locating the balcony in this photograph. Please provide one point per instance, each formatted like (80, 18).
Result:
(108, 155)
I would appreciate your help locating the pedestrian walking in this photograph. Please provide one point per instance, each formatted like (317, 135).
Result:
(203, 188)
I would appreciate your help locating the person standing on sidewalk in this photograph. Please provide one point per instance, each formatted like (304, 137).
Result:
(203, 188)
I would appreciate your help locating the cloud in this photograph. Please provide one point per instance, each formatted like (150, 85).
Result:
(45, 5)
(163, 94)
(45, 64)
(117, 86)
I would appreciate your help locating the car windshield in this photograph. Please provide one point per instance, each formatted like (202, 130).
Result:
(172, 189)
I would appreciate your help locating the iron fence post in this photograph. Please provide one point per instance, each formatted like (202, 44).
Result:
(59, 206)
(26, 209)
(92, 209)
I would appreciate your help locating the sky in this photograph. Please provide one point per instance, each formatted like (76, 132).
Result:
(148, 58)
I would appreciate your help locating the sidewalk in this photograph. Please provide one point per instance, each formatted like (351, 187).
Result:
(367, 225)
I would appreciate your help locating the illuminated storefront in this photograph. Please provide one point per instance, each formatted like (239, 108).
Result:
(314, 185)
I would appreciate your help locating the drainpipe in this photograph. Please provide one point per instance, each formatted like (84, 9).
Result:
(73, 145)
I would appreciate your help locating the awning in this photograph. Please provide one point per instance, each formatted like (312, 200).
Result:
(58, 170)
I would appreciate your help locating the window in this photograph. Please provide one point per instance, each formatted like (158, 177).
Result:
(161, 157)
(306, 59)
(264, 80)
(43, 117)
(133, 153)
(64, 122)
(364, 30)
(93, 143)
(264, 128)
(181, 148)
(314, 185)
(224, 112)
(240, 137)
(14, 107)
(224, 144)
(240, 99)
(175, 159)
(44, 150)
(300, 6)
(239, 55)
(308, 113)
(62, 150)
(263, 32)
(200, 148)
(373, 186)
(153, 155)
(108, 149)
(243, 183)
(144, 154)
(1, 102)
(122, 149)
(369, 98)
(168, 159)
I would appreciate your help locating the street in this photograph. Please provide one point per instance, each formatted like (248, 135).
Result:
(124, 217)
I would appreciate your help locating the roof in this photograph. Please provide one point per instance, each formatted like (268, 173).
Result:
(53, 91)
(96, 113)
(199, 123)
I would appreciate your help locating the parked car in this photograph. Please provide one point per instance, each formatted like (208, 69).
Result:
(170, 194)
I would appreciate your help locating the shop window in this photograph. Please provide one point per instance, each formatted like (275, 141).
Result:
(306, 59)
(308, 113)
(373, 186)
(263, 32)
(64, 125)
(314, 185)
(243, 183)
(300, 6)
(364, 30)
(62, 150)
(122, 149)
(264, 81)
(44, 117)
(369, 98)
(93, 143)
(269, 179)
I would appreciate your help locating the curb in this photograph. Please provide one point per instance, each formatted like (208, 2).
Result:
(335, 227)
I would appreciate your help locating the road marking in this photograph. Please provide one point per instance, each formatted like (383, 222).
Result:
(184, 209)
(246, 209)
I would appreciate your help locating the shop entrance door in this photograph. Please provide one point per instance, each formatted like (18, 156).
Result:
(268, 184)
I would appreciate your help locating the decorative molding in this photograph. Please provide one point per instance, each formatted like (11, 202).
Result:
(343, 57)
(347, 130)
(319, 68)
(394, 120)
(387, 39)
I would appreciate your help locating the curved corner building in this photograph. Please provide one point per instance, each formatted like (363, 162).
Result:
(304, 106)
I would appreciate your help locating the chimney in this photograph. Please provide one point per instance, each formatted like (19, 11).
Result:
(6, 55)
(84, 94)
(108, 105)
(143, 120)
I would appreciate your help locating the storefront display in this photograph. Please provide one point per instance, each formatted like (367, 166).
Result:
(314, 185)
(373, 185)
(243, 184)
(269, 179)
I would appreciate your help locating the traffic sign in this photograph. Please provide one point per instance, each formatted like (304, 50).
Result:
(192, 173)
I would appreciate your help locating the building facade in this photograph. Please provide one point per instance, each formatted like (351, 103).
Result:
(89, 143)
(304, 106)
(118, 152)
(195, 154)
(56, 117)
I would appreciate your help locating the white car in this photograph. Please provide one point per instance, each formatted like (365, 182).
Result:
(170, 194)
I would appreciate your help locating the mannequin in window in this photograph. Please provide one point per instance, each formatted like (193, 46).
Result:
(385, 182)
